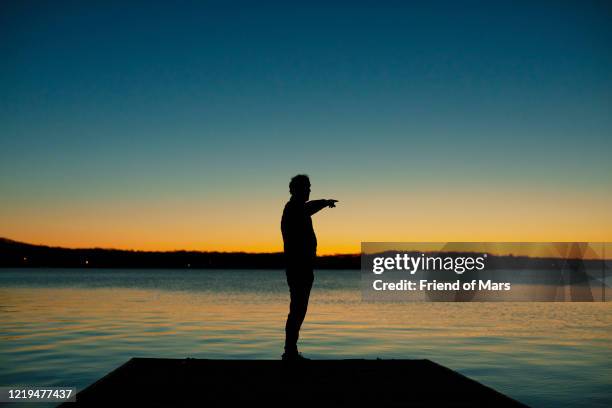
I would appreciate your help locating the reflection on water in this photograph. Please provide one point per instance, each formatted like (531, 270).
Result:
(69, 327)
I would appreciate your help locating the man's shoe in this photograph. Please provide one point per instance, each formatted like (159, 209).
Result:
(294, 357)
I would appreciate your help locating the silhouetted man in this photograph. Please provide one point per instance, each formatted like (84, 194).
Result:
(300, 253)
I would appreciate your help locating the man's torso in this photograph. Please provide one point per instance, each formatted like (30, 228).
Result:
(300, 241)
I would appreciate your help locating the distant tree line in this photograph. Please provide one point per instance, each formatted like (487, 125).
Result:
(18, 254)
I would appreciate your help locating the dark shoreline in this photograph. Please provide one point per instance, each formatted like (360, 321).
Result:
(15, 254)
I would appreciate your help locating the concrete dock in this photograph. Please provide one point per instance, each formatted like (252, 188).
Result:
(316, 383)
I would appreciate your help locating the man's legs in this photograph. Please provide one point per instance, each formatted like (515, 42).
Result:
(300, 283)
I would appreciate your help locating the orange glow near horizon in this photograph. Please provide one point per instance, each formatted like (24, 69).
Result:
(254, 225)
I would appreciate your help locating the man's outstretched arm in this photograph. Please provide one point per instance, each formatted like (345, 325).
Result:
(315, 206)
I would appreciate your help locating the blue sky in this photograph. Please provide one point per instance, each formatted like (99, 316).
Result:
(229, 99)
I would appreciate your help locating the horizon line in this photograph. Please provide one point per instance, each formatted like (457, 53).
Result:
(8, 240)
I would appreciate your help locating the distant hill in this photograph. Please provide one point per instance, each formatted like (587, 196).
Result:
(19, 254)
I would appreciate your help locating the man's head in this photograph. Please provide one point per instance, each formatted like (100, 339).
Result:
(299, 187)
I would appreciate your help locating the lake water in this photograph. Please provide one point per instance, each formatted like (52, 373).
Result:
(68, 327)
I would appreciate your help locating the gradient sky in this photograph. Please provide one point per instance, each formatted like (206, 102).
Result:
(178, 125)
